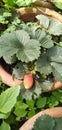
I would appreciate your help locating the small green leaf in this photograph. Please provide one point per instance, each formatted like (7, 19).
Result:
(39, 34)
(20, 109)
(43, 65)
(24, 3)
(5, 126)
(58, 95)
(30, 103)
(41, 102)
(21, 105)
(42, 20)
(4, 14)
(19, 70)
(31, 113)
(43, 38)
(20, 112)
(10, 59)
(55, 54)
(46, 42)
(8, 99)
(52, 101)
(55, 27)
(57, 71)
(9, 3)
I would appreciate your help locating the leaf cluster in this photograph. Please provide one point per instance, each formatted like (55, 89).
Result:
(33, 47)
(14, 108)
(47, 122)
(4, 14)
(11, 4)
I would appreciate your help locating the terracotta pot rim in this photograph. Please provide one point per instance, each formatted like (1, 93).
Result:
(29, 13)
(54, 112)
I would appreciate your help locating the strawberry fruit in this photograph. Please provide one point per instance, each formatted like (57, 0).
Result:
(28, 81)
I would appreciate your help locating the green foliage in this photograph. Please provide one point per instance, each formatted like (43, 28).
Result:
(55, 53)
(20, 109)
(19, 43)
(31, 48)
(51, 62)
(8, 99)
(34, 92)
(43, 65)
(58, 3)
(52, 101)
(44, 122)
(22, 3)
(19, 70)
(39, 34)
(53, 26)
(47, 122)
(5, 126)
(41, 102)
(58, 124)
(25, 108)
(9, 3)
(4, 15)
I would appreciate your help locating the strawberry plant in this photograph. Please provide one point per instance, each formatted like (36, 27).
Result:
(33, 50)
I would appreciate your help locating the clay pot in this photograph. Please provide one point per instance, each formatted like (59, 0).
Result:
(8, 80)
(54, 112)
(28, 14)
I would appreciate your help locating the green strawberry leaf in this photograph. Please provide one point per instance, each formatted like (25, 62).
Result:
(44, 122)
(19, 71)
(55, 27)
(58, 125)
(55, 54)
(43, 65)
(19, 43)
(42, 20)
(57, 71)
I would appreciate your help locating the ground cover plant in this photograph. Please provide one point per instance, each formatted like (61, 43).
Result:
(33, 52)
(50, 123)
(15, 110)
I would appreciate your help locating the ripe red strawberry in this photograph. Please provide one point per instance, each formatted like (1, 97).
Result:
(28, 81)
